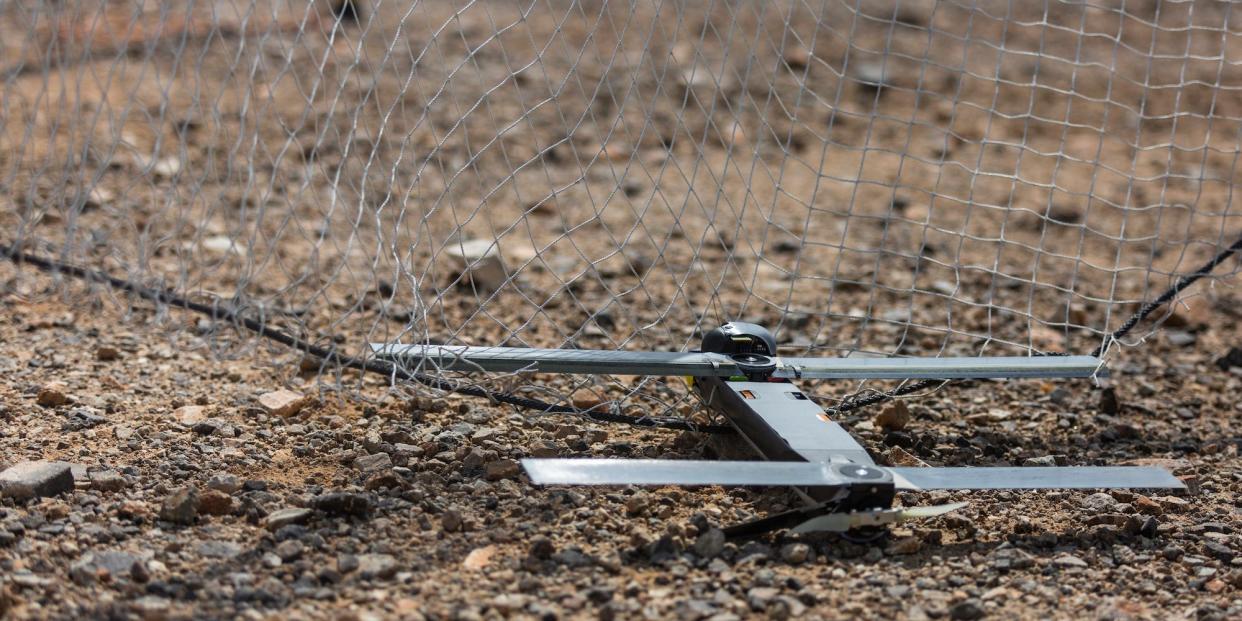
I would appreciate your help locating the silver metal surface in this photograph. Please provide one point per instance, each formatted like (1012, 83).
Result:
(677, 472)
(941, 368)
(763, 473)
(510, 359)
(1083, 477)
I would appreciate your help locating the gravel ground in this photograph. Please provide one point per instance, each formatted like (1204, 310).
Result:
(200, 489)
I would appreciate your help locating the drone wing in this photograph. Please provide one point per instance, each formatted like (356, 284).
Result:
(805, 474)
(703, 364)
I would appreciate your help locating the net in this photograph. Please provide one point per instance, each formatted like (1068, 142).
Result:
(899, 178)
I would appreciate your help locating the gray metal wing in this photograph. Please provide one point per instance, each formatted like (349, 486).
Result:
(511, 359)
(805, 474)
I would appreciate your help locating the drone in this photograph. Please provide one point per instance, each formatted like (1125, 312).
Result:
(739, 377)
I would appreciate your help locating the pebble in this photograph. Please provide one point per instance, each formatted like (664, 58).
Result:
(30, 479)
(82, 418)
(225, 482)
(1044, 461)
(107, 353)
(1069, 561)
(283, 402)
(215, 502)
(710, 543)
(501, 469)
(343, 504)
(382, 566)
(284, 517)
(541, 547)
(795, 553)
(904, 546)
(1099, 501)
(289, 550)
(216, 548)
(967, 610)
(477, 262)
(373, 462)
(585, 399)
(190, 415)
(52, 394)
(451, 521)
(894, 417)
(107, 480)
(181, 506)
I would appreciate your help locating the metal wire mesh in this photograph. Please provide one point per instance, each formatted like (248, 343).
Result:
(897, 178)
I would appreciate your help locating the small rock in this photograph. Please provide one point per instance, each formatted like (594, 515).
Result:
(343, 503)
(710, 543)
(905, 545)
(1231, 359)
(795, 553)
(107, 353)
(636, 504)
(541, 547)
(30, 479)
(82, 418)
(382, 566)
(479, 557)
(893, 417)
(225, 482)
(872, 75)
(451, 520)
(374, 462)
(215, 502)
(501, 469)
(219, 549)
(1099, 502)
(759, 597)
(190, 415)
(289, 550)
(181, 506)
(1069, 561)
(1046, 460)
(284, 517)
(1147, 506)
(1219, 550)
(107, 481)
(283, 402)
(52, 394)
(1109, 404)
(967, 610)
(477, 262)
(585, 399)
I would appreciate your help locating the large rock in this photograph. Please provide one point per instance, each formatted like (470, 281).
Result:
(31, 479)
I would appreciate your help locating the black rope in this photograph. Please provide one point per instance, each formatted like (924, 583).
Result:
(382, 367)
(1143, 313)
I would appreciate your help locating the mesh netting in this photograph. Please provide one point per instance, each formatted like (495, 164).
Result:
(911, 178)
